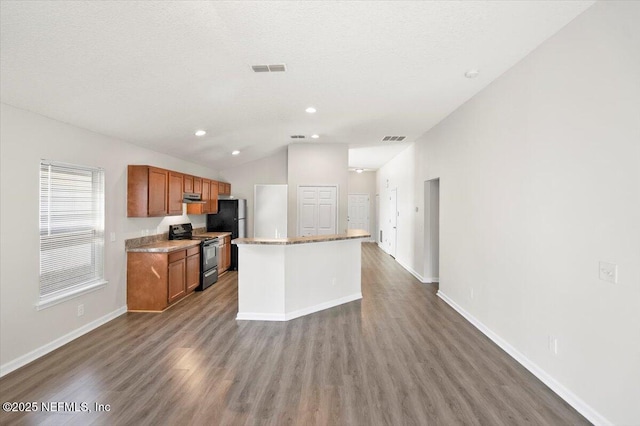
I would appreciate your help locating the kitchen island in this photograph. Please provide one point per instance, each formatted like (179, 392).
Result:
(286, 278)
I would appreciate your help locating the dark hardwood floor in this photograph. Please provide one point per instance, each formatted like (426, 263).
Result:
(399, 356)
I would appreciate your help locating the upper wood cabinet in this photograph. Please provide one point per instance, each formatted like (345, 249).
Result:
(224, 188)
(188, 183)
(206, 190)
(209, 195)
(152, 191)
(213, 197)
(147, 191)
(175, 193)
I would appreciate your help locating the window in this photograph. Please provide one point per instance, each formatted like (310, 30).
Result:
(71, 231)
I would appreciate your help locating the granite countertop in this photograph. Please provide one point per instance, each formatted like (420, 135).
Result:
(164, 246)
(349, 235)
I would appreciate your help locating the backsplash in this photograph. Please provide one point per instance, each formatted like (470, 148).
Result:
(150, 239)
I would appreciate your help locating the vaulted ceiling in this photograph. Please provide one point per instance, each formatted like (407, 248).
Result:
(153, 72)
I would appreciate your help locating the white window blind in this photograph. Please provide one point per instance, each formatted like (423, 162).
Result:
(71, 229)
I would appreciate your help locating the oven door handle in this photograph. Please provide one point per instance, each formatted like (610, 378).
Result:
(211, 272)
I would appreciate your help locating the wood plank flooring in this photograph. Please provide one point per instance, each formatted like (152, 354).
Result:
(399, 356)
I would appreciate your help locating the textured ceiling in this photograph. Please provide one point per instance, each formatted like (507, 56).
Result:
(152, 72)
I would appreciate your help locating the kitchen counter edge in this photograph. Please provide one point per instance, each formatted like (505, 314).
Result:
(164, 246)
(350, 235)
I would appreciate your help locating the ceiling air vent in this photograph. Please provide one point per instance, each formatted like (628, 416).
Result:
(393, 138)
(297, 136)
(269, 68)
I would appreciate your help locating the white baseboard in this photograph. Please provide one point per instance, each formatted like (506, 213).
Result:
(414, 273)
(323, 306)
(251, 316)
(570, 398)
(432, 280)
(61, 341)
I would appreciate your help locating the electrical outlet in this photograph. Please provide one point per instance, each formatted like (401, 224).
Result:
(113, 236)
(333, 281)
(608, 272)
(80, 310)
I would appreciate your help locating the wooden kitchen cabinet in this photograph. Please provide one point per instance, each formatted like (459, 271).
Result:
(152, 191)
(177, 276)
(209, 195)
(188, 184)
(175, 193)
(147, 191)
(224, 188)
(206, 190)
(221, 253)
(193, 269)
(224, 254)
(157, 280)
(227, 252)
(213, 197)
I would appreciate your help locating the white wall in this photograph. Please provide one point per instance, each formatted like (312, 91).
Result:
(365, 183)
(431, 231)
(318, 164)
(539, 181)
(400, 174)
(243, 178)
(25, 139)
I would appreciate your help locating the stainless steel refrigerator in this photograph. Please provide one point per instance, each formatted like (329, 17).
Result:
(231, 217)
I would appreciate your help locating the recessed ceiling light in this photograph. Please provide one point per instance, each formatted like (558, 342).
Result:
(359, 170)
(315, 136)
(310, 110)
(201, 132)
(471, 73)
(236, 152)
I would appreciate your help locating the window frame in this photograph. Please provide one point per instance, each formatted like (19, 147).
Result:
(95, 227)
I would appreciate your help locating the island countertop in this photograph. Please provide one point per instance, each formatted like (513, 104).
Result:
(349, 235)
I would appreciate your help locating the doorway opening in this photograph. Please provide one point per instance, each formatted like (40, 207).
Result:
(432, 230)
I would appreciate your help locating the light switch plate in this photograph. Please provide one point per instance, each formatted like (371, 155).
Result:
(609, 272)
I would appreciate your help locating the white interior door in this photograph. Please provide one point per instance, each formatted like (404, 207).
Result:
(393, 221)
(317, 209)
(358, 212)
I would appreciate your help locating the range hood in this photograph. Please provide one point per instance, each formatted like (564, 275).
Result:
(191, 198)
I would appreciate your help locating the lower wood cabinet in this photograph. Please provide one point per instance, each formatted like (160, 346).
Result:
(177, 275)
(157, 280)
(224, 254)
(193, 269)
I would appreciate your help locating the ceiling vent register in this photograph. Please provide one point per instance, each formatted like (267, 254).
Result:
(297, 136)
(269, 68)
(393, 138)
